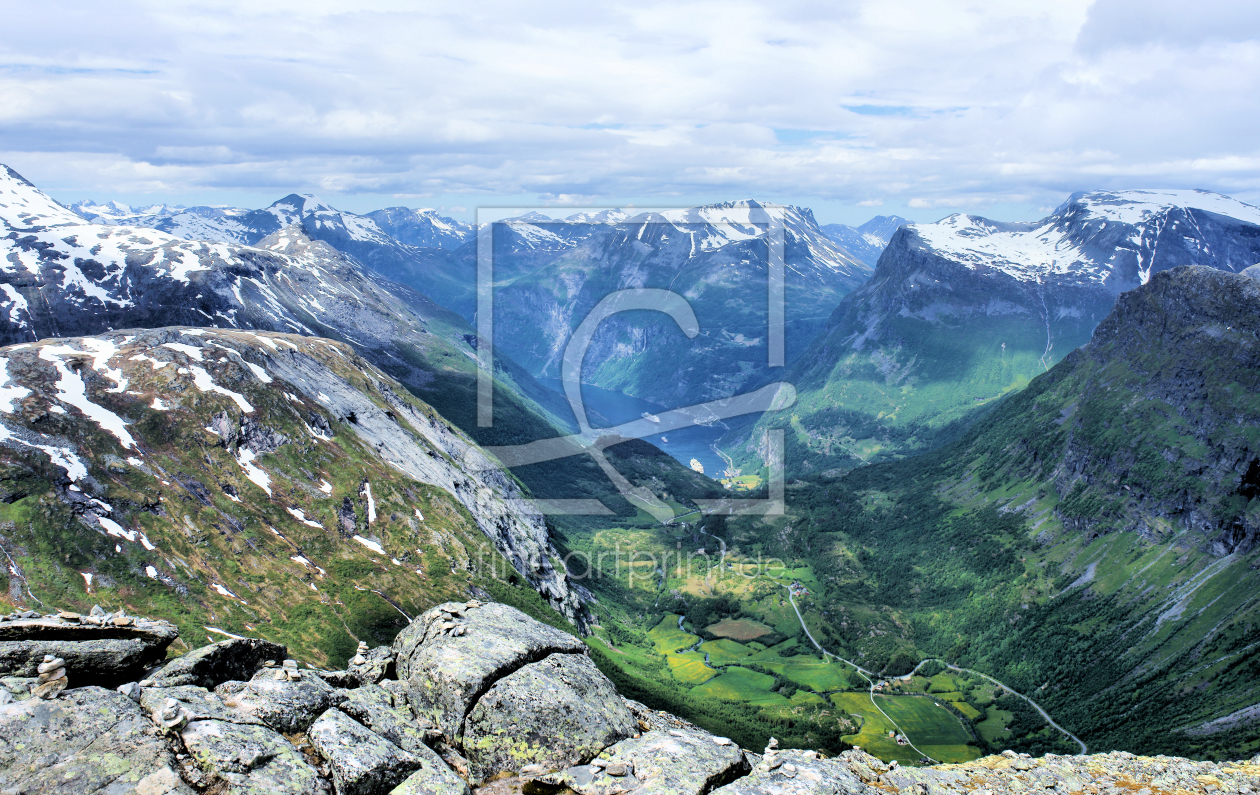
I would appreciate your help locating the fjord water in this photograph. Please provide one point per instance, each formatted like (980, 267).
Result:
(683, 444)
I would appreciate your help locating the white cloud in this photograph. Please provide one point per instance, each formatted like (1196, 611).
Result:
(945, 104)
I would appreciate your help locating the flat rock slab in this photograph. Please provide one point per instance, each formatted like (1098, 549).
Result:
(88, 741)
(211, 666)
(285, 706)
(799, 773)
(200, 704)
(158, 634)
(557, 712)
(253, 759)
(88, 662)
(95, 655)
(362, 762)
(447, 673)
(674, 762)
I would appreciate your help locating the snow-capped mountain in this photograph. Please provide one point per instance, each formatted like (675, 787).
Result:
(551, 273)
(402, 246)
(965, 310)
(866, 242)
(422, 228)
(61, 276)
(113, 213)
(1115, 239)
(64, 277)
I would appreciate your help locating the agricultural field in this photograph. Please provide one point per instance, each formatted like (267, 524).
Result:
(742, 630)
(669, 638)
(741, 684)
(932, 729)
(724, 652)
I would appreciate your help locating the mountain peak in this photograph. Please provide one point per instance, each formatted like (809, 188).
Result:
(23, 206)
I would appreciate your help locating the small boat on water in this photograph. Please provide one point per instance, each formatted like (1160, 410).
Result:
(650, 417)
(665, 439)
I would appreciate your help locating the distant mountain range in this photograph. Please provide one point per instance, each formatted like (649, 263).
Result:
(549, 273)
(868, 241)
(964, 311)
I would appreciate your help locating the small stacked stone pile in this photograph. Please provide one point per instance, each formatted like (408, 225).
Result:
(52, 677)
(172, 717)
(452, 623)
(289, 672)
(358, 658)
(19, 616)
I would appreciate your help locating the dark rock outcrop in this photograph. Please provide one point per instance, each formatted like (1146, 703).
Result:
(211, 666)
(102, 653)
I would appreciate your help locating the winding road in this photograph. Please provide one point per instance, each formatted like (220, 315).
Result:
(868, 674)
(865, 674)
(1033, 704)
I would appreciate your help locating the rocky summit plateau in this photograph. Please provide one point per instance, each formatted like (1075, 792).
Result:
(470, 697)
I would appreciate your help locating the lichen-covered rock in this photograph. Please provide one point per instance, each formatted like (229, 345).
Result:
(377, 665)
(1117, 772)
(252, 758)
(87, 741)
(372, 705)
(398, 692)
(557, 713)
(200, 704)
(284, 705)
(18, 687)
(211, 666)
(799, 773)
(432, 779)
(447, 673)
(675, 762)
(362, 762)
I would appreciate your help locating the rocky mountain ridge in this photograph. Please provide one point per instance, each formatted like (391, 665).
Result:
(469, 694)
(252, 477)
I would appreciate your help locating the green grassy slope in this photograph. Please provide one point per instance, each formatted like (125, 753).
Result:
(174, 525)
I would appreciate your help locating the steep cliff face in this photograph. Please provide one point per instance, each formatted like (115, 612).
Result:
(1152, 426)
(963, 311)
(244, 475)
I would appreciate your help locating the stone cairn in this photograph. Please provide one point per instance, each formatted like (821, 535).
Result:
(451, 623)
(358, 658)
(172, 717)
(289, 672)
(771, 756)
(52, 677)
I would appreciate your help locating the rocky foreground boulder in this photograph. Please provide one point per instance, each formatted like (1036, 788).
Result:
(470, 695)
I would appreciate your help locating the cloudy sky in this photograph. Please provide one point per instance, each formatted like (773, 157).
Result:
(915, 107)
